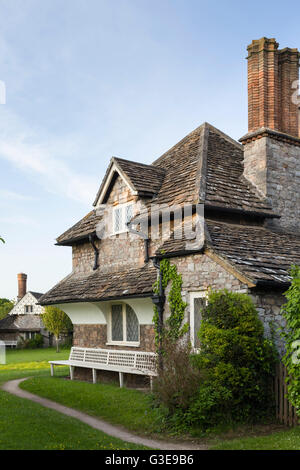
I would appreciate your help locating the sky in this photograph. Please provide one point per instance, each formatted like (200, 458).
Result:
(86, 80)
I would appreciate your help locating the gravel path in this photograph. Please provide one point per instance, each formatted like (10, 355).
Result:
(13, 387)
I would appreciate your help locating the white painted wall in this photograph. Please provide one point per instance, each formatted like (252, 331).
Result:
(97, 313)
(28, 299)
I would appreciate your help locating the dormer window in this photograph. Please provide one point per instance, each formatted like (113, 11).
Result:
(28, 309)
(122, 214)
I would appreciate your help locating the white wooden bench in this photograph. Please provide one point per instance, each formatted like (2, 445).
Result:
(130, 362)
(10, 343)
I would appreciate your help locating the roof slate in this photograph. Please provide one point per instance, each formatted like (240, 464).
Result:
(26, 322)
(262, 254)
(144, 178)
(206, 166)
(81, 229)
(98, 286)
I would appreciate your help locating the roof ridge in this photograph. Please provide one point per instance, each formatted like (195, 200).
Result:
(179, 143)
(225, 136)
(150, 166)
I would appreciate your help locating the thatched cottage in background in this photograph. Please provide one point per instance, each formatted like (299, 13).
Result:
(251, 199)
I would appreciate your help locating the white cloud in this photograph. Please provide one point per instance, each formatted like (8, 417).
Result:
(42, 157)
(19, 220)
(13, 196)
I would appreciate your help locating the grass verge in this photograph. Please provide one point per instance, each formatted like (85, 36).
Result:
(25, 425)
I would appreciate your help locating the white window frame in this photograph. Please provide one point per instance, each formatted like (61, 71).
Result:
(121, 207)
(28, 308)
(193, 296)
(109, 332)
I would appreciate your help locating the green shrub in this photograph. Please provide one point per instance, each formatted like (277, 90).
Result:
(178, 380)
(238, 360)
(33, 343)
(291, 335)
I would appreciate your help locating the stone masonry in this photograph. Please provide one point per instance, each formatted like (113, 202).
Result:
(273, 166)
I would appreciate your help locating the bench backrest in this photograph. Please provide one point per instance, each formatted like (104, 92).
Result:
(137, 360)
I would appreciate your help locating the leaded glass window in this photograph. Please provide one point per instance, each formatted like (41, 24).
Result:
(121, 216)
(132, 325)
(128, 213)
(124, 324)
(116, 323)
(117, 220)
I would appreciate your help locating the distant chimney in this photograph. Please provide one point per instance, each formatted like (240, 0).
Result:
(272, 145)
(272, 87)
(22, 281)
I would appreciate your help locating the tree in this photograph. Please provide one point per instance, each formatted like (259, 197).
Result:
(5, 307)
(56, 321)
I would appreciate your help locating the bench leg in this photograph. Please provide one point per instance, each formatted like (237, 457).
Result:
(151, 383)
(94, 376)
(71, 372)
(52, 369)
(121, 378)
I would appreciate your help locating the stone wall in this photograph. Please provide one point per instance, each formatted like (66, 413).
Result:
(199, 273)
(268, 305)
(115, 251)
(95, 336)
(273, 167)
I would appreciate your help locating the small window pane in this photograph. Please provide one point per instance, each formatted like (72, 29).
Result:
(132, 325)
(116, 323)
(117, 220)
(199, 303)
(128, 214)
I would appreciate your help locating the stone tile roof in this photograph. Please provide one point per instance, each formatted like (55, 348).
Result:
(37, 295)
(261, 254)
(27, 322)
(146, 179)
(81, 229)
(96, 286)
(225, 185)
(206, 166)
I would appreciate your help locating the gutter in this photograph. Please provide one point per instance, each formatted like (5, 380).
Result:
(77, 301)
(270, 284)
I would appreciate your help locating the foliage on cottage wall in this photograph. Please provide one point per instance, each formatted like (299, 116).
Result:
(173, 327)
(236, 364)
(291, 335)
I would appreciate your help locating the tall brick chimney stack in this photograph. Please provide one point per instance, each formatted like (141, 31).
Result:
(272, 76)
(22, 285)
(272, 145)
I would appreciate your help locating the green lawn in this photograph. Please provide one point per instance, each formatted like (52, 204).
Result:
(123, 406)
(14, 356)
(25, 425)
(283, 440)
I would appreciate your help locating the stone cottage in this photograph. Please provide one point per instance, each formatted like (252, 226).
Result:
(24, 321)
(243, 195)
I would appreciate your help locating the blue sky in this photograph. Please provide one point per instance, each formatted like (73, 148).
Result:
(89, 79)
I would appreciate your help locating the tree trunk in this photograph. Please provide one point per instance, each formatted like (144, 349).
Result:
(57, 344)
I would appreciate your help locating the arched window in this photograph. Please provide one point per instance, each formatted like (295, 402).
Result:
(124, 325)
